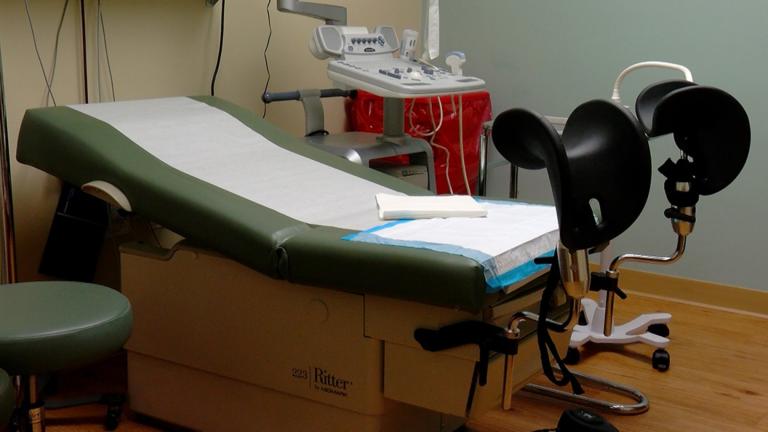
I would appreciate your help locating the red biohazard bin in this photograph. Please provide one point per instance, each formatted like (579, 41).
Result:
(365, 113)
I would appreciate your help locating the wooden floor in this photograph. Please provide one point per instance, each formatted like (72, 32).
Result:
(717, 382)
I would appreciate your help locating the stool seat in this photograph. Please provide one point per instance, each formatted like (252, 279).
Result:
(50, 326)
(7, 398)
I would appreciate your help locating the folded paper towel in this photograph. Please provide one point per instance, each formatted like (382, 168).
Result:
(426, 207)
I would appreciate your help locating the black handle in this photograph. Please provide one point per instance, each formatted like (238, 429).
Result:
(486, 336)
(268, 97)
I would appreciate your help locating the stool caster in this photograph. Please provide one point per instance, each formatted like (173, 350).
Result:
(660, 360)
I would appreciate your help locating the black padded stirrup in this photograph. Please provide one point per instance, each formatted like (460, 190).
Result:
(649, 98)
(602, 160)
(600, 173)
(710, 126)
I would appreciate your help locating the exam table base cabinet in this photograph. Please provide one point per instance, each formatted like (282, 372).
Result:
(217, 346)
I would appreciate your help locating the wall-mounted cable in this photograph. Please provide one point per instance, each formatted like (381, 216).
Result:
(56, 48)
(98, 53)
(106, 49)
(84, 47)
(266, 59)
(37, 51)
(221, 49)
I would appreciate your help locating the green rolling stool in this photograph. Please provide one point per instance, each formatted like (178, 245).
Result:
(47, 327)
(7, 398)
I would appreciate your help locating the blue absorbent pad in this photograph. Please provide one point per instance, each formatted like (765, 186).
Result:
(505, 242)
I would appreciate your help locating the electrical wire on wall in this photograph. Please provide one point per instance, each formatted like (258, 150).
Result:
(101, 36)
(266, 59)
(98, 53)
(37, 52)
(56, 49)
(84, 51)
(101, 32)
(221, 49)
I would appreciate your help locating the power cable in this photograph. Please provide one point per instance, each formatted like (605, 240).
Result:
(266, 59)
(37, 51)
(56, 48)
(433, 143)
(221, 49)
(98, 53)
(84, 47)
(106, 51)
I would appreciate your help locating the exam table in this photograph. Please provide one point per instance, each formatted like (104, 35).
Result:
(264, 318)
(270, 317)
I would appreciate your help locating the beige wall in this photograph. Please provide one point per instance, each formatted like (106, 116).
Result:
(162, 48)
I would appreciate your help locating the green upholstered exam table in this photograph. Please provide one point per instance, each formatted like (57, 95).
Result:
(264, 318)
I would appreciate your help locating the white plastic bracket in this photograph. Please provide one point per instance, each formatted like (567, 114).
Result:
(107, 192)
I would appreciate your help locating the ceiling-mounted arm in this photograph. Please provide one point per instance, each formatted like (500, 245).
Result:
(332, 15)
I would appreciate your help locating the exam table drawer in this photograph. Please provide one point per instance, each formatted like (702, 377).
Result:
(443, 382)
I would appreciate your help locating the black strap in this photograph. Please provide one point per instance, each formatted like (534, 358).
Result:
(674, 213)
(601, 282)
(546, 344)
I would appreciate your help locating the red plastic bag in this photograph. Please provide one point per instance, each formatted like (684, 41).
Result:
(365, 114)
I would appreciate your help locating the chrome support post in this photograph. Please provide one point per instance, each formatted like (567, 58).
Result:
(682, 228)
(574, 271)
(676, 255)
(509, 364)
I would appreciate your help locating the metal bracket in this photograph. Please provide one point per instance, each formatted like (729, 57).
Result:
(332, 15)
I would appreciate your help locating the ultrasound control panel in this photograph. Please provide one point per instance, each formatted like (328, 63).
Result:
(361, 59)
(396, 77)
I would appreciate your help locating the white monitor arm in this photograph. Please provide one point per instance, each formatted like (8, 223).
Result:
(332, 15)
